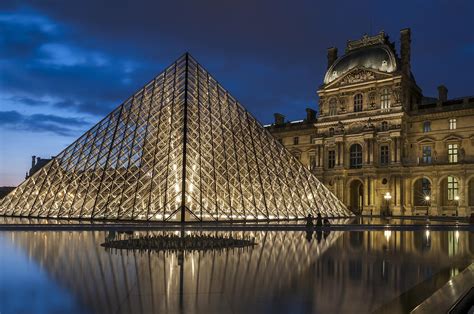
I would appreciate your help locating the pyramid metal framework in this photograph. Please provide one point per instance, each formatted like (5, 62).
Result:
(180, 149)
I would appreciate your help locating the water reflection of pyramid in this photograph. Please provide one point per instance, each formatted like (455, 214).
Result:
(181, 148)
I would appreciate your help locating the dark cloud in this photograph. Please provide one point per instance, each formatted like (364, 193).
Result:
(41, 123)
(269, 54)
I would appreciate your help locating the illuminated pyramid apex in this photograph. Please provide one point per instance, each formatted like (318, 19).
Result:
(180, 149)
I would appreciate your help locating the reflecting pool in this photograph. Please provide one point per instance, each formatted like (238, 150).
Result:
(285, 272)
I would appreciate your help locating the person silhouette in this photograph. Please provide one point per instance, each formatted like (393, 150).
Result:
(319, 220)
(309, 221)
(326, 222)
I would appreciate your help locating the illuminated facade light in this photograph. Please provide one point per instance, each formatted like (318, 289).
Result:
(180, 148)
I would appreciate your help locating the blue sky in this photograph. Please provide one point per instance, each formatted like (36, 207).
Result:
(65, 64)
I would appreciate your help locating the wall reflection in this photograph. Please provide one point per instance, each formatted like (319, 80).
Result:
(285, 271)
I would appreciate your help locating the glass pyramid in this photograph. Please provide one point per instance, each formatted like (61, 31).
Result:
(183, 149)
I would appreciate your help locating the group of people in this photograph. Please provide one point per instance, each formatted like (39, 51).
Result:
(319, 221)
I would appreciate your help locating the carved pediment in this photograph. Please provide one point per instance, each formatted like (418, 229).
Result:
(358, 75)
(425, 139)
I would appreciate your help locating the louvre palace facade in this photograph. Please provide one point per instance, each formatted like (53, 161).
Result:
(377, 143)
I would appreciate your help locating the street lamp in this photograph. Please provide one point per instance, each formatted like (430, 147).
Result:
(427, 200)
(387, 198)
(456, 199)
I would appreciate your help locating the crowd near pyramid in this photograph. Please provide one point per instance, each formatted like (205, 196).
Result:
(180, 149)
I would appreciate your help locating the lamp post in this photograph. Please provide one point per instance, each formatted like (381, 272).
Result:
(387, 198)
(427, 200)
(456, 199)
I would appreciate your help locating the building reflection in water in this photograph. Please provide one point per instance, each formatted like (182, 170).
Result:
(285, 271)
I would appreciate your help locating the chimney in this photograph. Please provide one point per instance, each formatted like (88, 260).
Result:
(332, 56)
(405, 50)
(310, 115)
(33, 161)
(279, 118)
(442, 93)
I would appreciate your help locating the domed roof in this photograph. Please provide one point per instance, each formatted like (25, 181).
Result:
(377, 57)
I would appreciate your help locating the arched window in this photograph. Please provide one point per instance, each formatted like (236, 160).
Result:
(356, 156)
(333, 107)
(385, 99)
(452, 188)
(358, 100)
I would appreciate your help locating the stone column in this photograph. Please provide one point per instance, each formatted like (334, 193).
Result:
(408, 197)
(399, 149)
(321, 156)
(434, 196)
(318, 157)
(397, 196)
(342, 153)
(366, 196)
(392, 150)
(367, 153)
(338, 154)
(463, 197)
(372, 149)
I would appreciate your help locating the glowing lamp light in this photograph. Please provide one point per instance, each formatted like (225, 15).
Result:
(456, 198)
(387, 234)
(387, 196)
(427, 198)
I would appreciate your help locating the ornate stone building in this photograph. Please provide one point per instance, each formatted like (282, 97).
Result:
(378, 143)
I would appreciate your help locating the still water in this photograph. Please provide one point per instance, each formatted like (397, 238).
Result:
(286, 272)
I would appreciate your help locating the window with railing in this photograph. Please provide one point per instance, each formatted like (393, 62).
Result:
(452, 188)
(332, 107)
(355, 156)
(426, 158)
(358, 101)
(427, 126)
(452, 124)
(331, 159)
(452, 153)
(384, 155)
(385, 99)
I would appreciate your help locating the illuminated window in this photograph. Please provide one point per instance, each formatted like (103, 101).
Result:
(356, 156)
(427, 126)
(372, 100)
(426, 158)
(385, 99)
(384, 155)
(333, 107)
(452, 153)
(296, 140)
(452, 188)
(331, 159)
(452, 124)
(358, 100)
(425, 187)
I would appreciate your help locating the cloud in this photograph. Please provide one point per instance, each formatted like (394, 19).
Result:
(64, 126)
